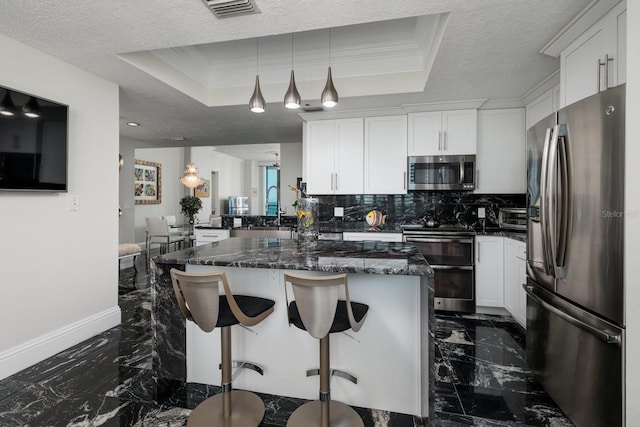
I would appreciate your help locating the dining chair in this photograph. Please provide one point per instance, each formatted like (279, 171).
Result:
(158, 233)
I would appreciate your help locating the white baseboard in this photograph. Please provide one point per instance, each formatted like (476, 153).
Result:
(31, 352)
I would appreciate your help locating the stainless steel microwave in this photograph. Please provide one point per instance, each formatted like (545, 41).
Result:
(442, 173)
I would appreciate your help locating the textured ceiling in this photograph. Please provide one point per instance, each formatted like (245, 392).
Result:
(490, 50)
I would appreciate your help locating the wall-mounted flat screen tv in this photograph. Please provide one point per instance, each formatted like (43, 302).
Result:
(33, 143)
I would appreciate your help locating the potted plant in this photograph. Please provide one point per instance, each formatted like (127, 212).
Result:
(190, 205)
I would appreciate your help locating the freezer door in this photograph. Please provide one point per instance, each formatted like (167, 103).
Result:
(577, 357)
(538, 262)
(589, 270)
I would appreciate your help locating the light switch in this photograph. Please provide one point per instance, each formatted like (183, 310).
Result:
(481, 213)
(338, 211)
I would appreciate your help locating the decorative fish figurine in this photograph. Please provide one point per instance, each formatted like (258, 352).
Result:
(375, 218)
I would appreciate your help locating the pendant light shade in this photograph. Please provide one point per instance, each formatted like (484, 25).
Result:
(257, 104)
(329, 96)
(31, 109)
(7, 107)
(292, 98)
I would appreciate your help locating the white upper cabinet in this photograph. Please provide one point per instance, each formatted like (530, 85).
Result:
(596, 60)
(334, 156)
(385, 155)
(500, 161)
(543, 106)
(438, 133)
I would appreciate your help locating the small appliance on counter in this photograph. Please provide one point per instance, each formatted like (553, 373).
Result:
(238, 205)
(512, 218)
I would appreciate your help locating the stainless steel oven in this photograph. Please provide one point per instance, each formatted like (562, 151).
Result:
(451, 255)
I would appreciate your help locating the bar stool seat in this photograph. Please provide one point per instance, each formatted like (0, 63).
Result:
(199, 300)
(318, 310)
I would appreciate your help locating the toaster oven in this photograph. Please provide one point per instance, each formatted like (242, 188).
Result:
(512, 218)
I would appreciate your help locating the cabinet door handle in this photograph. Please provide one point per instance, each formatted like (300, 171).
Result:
(336, 181)
(478, 252)
(439, 140)
(478, 179)
(600, 64)
(404, 179)
(444, 140)
(604, 64)
(607, 60)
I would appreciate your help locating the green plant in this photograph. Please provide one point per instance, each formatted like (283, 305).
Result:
(190, 205)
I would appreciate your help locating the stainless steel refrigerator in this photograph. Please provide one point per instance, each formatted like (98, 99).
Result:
(575, 291)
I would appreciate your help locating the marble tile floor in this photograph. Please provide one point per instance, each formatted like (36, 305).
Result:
(482, 379)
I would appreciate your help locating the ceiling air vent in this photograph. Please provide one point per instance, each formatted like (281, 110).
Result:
(228, 8)
(312, 109)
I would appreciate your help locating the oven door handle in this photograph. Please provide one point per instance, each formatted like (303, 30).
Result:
(439, 239)
(453, 267)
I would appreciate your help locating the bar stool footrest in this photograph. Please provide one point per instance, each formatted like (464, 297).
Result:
(335, 372)
(243, 364)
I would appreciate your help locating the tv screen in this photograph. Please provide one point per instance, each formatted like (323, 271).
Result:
(33, 143)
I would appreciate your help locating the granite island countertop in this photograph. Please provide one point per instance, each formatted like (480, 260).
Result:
(323, 255)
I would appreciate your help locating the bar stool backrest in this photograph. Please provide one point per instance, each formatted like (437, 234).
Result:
(317, 299)
(198, 296)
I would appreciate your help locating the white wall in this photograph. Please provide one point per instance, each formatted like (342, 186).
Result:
(172, 161)
(632, 216)
(59, 268)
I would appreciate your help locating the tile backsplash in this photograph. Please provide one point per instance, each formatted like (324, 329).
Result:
(448, 207)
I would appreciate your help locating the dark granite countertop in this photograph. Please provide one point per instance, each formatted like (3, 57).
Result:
(516, 235)
(322, 255)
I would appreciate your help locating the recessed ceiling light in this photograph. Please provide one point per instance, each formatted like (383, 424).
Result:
(178, 138)
(133, 124)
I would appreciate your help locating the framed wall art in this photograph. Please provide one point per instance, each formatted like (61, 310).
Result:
(202, 190)
(147, 182)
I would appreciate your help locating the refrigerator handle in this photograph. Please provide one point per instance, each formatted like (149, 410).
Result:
(544, 202)
(605, 336)
(565, 203)
(551, 225)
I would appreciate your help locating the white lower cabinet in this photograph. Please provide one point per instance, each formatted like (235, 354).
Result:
(515, 275)
(208, 235)
(372, 236)
(489, 271)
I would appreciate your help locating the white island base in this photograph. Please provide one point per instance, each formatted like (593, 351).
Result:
(389, 355)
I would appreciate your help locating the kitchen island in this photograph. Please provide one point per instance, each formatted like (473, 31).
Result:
(391, 355)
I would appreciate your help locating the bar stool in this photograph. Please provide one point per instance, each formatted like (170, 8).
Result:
(199, 300)
(318, 310)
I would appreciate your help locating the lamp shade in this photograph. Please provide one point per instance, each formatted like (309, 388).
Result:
(292, 98)
(32, 109)
(257, 104)
(7, 107)
(329, 96)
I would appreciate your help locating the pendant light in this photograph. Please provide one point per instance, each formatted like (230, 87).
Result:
(257, 104)
(191, 178)
(292, 98)
(329, 96)
(31, 109)
(7, 107)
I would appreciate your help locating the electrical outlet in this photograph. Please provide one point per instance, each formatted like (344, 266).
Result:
(338, 211)
(74, 203)
(481, 213)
